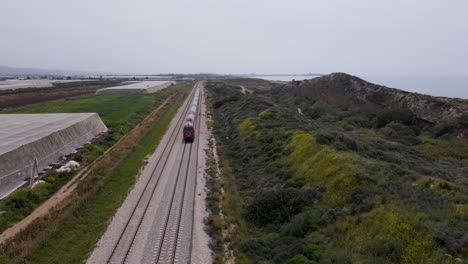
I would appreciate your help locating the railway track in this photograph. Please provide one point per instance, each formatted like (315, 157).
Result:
(155, 228)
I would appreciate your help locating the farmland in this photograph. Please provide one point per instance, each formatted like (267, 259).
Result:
(73, 235)
(119, 112)
(27, 96)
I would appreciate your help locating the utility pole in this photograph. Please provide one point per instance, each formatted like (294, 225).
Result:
(33, 173)
(34, 169)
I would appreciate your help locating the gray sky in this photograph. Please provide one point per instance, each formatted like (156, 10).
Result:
(237, 36)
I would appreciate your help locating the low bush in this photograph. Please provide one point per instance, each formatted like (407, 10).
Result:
(300, 259)
(376, 96)
(463, 121)
(301, 224)
(400, 133)
(445, 127)
(404, 116)
(276, 206)
(313, 252)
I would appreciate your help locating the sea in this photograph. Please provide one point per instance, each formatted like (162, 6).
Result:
(445, 86)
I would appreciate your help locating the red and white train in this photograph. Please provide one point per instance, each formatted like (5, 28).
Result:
(188, 130)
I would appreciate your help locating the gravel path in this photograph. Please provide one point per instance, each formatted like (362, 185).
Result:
(201, 252)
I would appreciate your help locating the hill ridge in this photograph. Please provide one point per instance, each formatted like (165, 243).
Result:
(351, 91)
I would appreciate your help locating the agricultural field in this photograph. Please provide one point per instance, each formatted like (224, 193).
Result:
(332, 185)
(72, 233)
(120, 113)
(27, 96)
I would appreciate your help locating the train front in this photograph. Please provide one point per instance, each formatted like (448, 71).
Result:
(189, 131)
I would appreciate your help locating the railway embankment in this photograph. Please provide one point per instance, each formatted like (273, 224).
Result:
(156, 222)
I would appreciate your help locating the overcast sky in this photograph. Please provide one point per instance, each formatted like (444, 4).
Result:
(411, 37)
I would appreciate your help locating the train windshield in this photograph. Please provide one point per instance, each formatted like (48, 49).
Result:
(188, 130)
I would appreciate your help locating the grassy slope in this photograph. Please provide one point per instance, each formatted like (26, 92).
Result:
(316, 187)
(73, 239)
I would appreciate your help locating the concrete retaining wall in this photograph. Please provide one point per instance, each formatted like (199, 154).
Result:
(41, 141)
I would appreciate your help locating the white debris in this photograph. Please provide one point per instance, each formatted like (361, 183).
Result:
(37, 183)
(70, 166)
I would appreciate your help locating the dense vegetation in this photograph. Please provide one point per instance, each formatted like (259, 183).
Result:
(333, 185)
(119, 112)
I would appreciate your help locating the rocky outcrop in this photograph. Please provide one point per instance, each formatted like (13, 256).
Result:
(350, 91)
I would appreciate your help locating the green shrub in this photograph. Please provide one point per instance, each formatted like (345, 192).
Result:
(324, 138)
(444, 127)
(300, 259)
(400, 133)
(376, 96)
(301, 224)
(275, 206)
(50, 179)
(363, 120)
(385, 233)
(268, 113)
(320, 164)
(463, 121)
(337, 255)
(295, 182)
(317, 110)
(313, 252)
(404, 116)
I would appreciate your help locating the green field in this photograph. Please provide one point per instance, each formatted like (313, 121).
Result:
(111, 108)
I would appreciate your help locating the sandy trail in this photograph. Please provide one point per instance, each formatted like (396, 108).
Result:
(245, 90)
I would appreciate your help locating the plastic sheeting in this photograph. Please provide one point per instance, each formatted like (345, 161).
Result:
(139, 88)
(46, 137)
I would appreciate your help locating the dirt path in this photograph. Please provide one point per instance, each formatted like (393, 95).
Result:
(228, 253)
(60, 196)
(245, 90)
